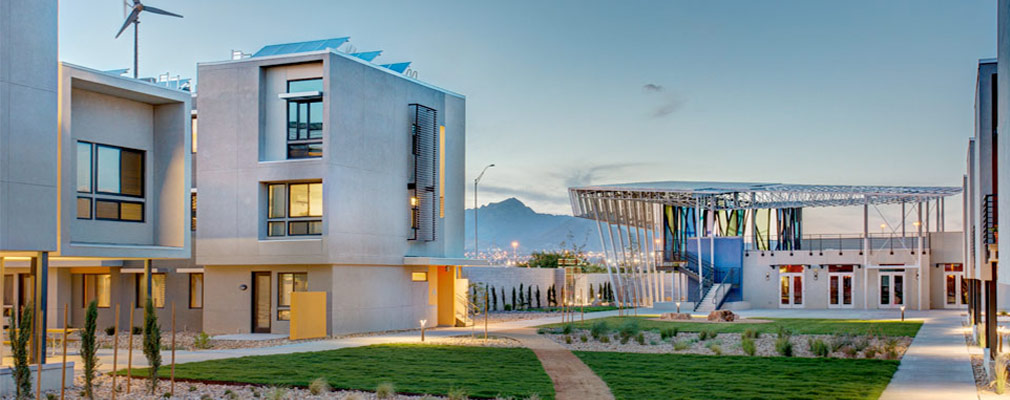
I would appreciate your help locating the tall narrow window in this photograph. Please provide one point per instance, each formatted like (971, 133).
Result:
(305, 118)
(192, 211)
(196, 290)
(157, 290)
(97, 288)
(192, 135)
(84, 167)
(424, 154)
(288, 283)
(294, 209)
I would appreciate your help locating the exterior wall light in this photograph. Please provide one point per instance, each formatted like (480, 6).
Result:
(243, 287)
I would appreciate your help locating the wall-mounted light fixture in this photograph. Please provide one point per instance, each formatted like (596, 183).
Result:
(815, 274)
(768, 276)
(243, 287)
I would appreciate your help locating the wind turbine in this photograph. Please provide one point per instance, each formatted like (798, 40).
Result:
(134, 18)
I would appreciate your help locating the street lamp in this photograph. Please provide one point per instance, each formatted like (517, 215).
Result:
(515, 245)
(882, 226)
(476, 180)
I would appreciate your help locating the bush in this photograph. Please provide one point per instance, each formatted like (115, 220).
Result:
(850, 352)
(568, 339)
(583, 338)
(871, 352)
(751, 334)
(457, 394)
(640, 338)
(669, 333)
(707, 334)
(319, 386)
(624, 339)
(819, 348)
(748, 346)
(202, 341)
(604, 339)
(508, 307)
(89, 350)
(276, 393)
(137, 331)
(702, 335)
(861, 344)
(784, 347)
(385, 390)
(599, 328)
(110, 330)
(1000, 370)
(567, 329)
(152, 344)
(840, 341)
(681, 345)
(630, 328)
(783, 332)
(19, 350)
(715, 348)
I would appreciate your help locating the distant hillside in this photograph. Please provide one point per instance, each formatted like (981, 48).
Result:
(510, 219)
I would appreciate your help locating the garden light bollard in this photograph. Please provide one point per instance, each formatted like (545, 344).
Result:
(129, 351)
(423, 321)
(678, 307)
(63, 367)
(902, 313)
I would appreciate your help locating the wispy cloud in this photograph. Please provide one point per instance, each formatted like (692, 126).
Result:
(584, 175)
(669, 102)
(559, 196)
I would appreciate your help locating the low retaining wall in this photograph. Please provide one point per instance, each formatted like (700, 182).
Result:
(50, 378)
(502, 277)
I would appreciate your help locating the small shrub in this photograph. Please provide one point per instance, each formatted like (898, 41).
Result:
(871, 352)
(110, 330)
(850, 352)
(599, 328)
(748, 346)
(784, 347)
(319, 386)
(137, 331)
(751, 334)
(533, 396)
(385, 390)
(1003, 313)
(630, 328)
(681, 345)
(703, 335)
(783, 332)
(168, 395)
(712, 333)
(202, 341)
(819, 348)
(640, 338)
(152, 345)
(624, 339)
(276, 393)
(583, 338)
(567, 329)
(861, 344)
(50, 396)
(715, 348)
(192, 388)
(568, 339)
(457, 394)
(653, 343)
(1000, 370)
(839, 341)
(89, 349)
(508, 307)
(669, 333)
(604, 339)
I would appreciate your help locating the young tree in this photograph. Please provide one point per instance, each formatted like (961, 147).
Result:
(529, 297)
(89, 351)
(513, 297)
(592, 296)
(20, 335)
(522, 301)
(494, 299)
(538, 296)
(503, 302)
(152, 344)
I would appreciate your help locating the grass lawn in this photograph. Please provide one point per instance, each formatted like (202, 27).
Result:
(687, 376)
(796, 325)
(588, 309)
(412, 368)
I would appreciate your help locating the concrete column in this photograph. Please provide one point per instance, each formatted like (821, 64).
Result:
(40, 273)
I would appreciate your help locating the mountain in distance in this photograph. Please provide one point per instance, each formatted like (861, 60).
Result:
(510, 219)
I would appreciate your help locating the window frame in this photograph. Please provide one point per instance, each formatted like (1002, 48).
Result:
(139, 295)
(305, 102)
(286, 219)
(94, 195)
(192, 210)
(119, 210)
(91, 207)
(280, 284)
(84, 290)
(202, 290)
(143, 170)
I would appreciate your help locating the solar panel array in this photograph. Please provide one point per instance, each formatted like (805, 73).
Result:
(326, 44)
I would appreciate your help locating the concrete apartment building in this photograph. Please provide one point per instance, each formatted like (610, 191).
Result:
(322, 172)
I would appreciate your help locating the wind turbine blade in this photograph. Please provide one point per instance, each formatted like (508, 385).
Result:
(160, 11)
(129, 20)
(126, 8)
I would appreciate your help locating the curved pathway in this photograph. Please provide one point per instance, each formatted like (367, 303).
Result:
(573, 380)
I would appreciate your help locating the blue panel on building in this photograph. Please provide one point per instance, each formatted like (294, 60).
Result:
(300, 47)
(728, 259)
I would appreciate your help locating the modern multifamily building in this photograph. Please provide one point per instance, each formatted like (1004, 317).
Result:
(321, 171)
(711, 245)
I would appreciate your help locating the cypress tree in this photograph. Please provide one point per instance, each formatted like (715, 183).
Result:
(529, 297)
(152, 344)
(494, 299)
(538, 296)
(503, 298)
(20, 334)
(89, 349)
(522, 301)
(513, 297)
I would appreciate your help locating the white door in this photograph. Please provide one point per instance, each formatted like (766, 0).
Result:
(791, 290)
(892, 289)
(840, 290)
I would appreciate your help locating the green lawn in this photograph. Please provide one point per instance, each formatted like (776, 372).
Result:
(796, 325)
(483, 372)
(686, 376)
(588, 309)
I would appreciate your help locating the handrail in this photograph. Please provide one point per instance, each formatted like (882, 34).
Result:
(727, 284)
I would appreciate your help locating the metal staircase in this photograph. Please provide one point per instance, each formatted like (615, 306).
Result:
(713, 293)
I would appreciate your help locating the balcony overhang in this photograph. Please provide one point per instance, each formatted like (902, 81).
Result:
(460, 262)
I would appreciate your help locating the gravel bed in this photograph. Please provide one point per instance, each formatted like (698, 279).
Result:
(477, 340)
(186, 341)
(728, 343)
(200, 391)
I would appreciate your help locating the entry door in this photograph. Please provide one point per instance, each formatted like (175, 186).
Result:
(791, 290)
(892, 289)
(840, 290)
(261, 302)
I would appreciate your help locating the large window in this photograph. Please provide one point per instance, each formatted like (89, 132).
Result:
(157, 290)
(294, 209)
(305, 118)
(192, 211)
(196, 290)
(110, 182)
(98, 288)
(288, 283)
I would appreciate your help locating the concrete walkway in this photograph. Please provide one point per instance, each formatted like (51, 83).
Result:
(937, 365)
(573, 380)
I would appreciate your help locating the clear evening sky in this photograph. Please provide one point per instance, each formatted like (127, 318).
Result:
(563, 93)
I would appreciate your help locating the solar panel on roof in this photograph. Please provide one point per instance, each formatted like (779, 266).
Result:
(398, 67)
(367, 55)
(300, 47)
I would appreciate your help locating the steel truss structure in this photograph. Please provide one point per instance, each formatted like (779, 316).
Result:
(629, 219)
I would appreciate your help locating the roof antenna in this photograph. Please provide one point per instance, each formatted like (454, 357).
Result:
(134, 18)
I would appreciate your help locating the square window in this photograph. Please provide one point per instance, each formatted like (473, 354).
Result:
(275, 228)
(130, 211)
(84, 207)
(105, 209)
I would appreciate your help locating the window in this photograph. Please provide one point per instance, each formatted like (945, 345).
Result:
(98, 288)
(419, 276)
(423, 175)
(192, 134)
(105, 174)
(196, 290)
(305, 119)
(294, 209)
(192, 211)
(157, 290)
(288, 283)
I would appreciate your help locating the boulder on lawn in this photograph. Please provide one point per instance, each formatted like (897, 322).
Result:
(722, 316)
(675, 316)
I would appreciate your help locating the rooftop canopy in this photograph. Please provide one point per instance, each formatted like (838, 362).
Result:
(744, 196)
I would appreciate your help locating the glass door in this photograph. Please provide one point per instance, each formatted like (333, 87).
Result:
(892, 288)
(791, 286)
(953, 286)
(261, 302)
(840, 286)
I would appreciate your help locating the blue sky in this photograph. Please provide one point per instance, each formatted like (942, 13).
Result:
(563, 93)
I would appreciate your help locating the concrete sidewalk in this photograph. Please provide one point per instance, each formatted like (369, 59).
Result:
(937, 365)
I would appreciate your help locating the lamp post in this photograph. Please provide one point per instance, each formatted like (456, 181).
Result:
(476, 180)
(902, 313)
(515, 245)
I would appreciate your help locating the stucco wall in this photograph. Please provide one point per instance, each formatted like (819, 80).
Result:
(1003, 115)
